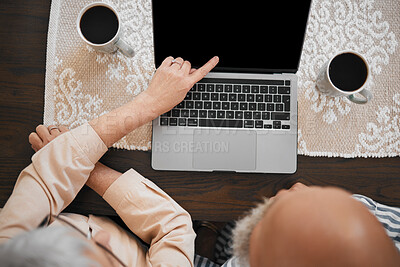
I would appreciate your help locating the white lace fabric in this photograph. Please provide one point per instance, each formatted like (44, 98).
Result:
(82, 84)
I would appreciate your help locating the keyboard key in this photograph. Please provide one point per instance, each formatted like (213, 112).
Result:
(163, 121)
(205, 96)
(232, 97)
(184, 113)
(182, 122)
(194, 88)
(248, 124)
(214, 97)
(243, 106)
(241, 97)
(192, 122)
(230, 114)
(228, 88)
(257, 115)
(259, 124)
(198, 105)
(259, 98)
(220, 114)
(219, 88)
(250, 98)
(216, 105)
(287, 82)
(181, 105)
(268, 98)
(194, 113)
(238, 114)
(176, 113)
(270, 107)
(246, 89)
(264, 89)
(188, 96)
(225, 105)
(283, 90)
(210, 87)
(255, 89)
(266, 115)
(267, 126)
(261, 106)
(237, 88)
(252, 106)
(234, 105)
(203, 113)
(221, 123)
(248, 115)
(276, 124)
(282, 116)
(286, 101)
(196, 96)
(286, 127)
(273, 89)
(212, 114)
(277, 98)
(223, 97)
(173, 121)
(189, 104)
(279, 107)
(201, 87)
(207, 105)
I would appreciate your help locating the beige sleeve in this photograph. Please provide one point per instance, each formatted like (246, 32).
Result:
(154, 217)
(48, 185)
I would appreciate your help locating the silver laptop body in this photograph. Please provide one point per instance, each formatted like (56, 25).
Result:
(269, 146)
(220, 149)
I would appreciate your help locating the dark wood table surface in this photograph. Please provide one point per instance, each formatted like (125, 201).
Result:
(218, 196)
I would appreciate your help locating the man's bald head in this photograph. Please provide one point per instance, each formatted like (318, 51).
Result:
(320, 227)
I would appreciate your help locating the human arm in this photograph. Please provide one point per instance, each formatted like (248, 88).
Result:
(155, 218)
(168, 88)
(61, 168)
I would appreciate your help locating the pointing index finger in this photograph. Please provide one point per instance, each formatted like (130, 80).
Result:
(206, 68)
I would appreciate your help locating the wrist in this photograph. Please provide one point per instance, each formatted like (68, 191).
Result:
(148, 106)
(101, 178)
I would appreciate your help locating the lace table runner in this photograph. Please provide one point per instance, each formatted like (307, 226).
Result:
(82, 84)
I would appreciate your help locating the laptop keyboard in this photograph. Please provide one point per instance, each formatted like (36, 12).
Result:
(233, 103)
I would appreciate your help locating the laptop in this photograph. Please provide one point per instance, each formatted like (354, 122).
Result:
(242, 116)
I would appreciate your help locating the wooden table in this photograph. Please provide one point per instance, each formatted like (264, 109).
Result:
(218, 196)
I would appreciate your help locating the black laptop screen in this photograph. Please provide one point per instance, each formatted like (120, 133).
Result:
(248, 36)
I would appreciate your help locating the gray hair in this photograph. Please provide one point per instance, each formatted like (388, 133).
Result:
(243, 229)
(45, 247)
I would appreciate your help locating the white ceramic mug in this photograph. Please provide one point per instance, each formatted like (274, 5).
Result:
(114, 43)
(326, 86)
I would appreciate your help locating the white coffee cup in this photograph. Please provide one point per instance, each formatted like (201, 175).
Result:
(329, 83)
(113, 41)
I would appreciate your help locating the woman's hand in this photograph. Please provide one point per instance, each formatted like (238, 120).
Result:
(171, 82)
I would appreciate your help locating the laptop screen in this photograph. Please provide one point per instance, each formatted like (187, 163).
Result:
(248, 36)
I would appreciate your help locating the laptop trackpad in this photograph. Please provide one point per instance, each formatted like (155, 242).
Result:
(231, 150)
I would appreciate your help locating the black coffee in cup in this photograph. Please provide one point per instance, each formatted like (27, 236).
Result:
(99, 24)
(348, 72)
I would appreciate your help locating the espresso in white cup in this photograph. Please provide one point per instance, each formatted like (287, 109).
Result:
(345, 74)
(99, 26)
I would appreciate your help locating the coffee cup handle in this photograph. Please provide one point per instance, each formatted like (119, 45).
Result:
(124, 48)
(365, 93)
